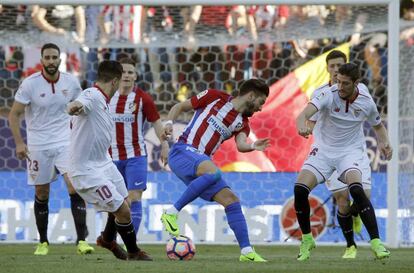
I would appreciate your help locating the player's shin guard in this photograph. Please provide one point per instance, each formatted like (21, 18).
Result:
(127, 233)
(302, 207)
(136, 214)
(78, 207)
(109, 233)
(345, 222)
(41, 211)
(366, 211)
(196, 187)
(237, 223)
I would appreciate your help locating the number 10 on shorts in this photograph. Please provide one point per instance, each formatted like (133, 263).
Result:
(104, 192)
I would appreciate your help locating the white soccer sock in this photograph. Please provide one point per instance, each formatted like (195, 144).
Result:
(246, 250)
(172, 210)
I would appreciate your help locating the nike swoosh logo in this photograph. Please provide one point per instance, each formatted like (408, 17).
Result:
(171, 227)
(251, 259)
(138, 183)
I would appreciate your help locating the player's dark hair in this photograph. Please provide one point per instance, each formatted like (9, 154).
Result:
(335, 54)
(47, 46)
(259, 87)
(109, 70)
(126, 60)
(351, 70)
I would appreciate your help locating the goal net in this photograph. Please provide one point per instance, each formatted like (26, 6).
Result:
(183, 50)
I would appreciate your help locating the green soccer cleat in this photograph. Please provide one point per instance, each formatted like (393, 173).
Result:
(252, 257)
(307, 244)
(350, 252)
(84, 248)
(42, 249)
(357, 224)
(379, 250)
(170, 223)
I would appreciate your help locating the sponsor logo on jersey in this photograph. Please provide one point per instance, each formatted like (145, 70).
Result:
(219, 126)
(123, 118)
(289, 223)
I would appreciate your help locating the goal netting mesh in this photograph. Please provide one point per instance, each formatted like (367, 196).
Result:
(182, 50)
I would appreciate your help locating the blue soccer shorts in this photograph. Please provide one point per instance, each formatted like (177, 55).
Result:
(134, 171)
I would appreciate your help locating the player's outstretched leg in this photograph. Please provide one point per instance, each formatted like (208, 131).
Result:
(78, 208)
(367, 213)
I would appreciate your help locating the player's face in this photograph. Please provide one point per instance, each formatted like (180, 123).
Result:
(254, 104)
(129, 76)
(50, 61)
(333, 67)
(346, 87)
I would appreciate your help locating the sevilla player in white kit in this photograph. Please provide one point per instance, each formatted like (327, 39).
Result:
(130, 108)
(217, 118)
(43, 98)
(339, 146)
(348, 224)
(94, 175)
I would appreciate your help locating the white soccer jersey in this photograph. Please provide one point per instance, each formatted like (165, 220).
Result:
(340, 122)
(91, 134)
(47, 123)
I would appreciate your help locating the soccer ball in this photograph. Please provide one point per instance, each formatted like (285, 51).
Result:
(180, 248)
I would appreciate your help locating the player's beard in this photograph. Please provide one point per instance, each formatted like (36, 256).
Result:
(51, 69)
(249, 109)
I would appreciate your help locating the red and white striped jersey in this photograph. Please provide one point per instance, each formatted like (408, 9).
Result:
(214, 121)
(129, 113)
(126, 20)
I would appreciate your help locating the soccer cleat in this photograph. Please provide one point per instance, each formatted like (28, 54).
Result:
(357, 224)
(170, 223)
(379, 250)
(42, 249)
(251, 257)
(139, 256)
(307, 244)
(113, 247)
(84, 248)
(350, 252)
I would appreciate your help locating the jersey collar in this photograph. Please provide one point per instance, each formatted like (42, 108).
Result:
(50, 81)
(103, 93)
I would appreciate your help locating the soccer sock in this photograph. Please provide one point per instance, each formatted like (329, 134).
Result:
(41, 211)
(195, 188)
(302, 207)
(365, 209)
(237, 223)
(345, 222)
(78, 208)
(109, 233)
(136, 214)
(127, 233)
(354, 210)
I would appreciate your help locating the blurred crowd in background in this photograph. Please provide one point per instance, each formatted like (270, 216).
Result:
(173, 73)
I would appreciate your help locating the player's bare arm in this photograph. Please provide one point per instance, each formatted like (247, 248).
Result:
(75, 108)
(383, 141)
(159, 131)
(301, 121)
(244, 147)
(14, 120)
(175, 111)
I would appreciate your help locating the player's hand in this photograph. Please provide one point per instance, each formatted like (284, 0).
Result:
(165, 148)
(168, 130)
(386, 150)
(304, 131)
(261, 144)
(74, 108)
(21, 151)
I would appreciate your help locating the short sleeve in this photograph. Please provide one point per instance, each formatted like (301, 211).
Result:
(314, 94)
(87, 98)
(321, 100)
(23, 94)
(149, 109)
(374, 117)
(206, 97)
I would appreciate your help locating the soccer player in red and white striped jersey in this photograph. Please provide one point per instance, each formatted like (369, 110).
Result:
(217, 117)
(130, 108)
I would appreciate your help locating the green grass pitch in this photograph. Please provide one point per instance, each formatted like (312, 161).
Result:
(62, 258)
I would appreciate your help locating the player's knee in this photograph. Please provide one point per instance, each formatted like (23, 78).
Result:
(356, 191)
(213, 177)
(301, 191)
(42, 194)
(134, 195)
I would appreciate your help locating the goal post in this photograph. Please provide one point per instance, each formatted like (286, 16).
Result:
(191, 68)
